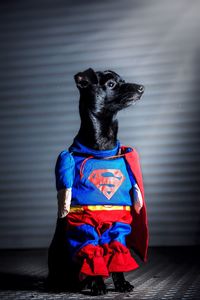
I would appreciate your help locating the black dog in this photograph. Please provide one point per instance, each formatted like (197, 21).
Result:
(102, 96)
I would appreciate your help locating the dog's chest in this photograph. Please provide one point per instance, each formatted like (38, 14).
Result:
(101, 181)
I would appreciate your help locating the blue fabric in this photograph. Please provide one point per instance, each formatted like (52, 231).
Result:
(64, 170)
(81, 236)
(85, 234)
(85, 192)
(117, 232)
(131, 176)
(113, 185)
(77, 147)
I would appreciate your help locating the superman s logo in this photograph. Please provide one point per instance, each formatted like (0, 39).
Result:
(107, 181)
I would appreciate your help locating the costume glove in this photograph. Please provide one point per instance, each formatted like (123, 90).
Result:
(138, 201)
(64, 200)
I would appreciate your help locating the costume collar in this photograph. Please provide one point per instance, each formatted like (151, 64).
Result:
(77, 147)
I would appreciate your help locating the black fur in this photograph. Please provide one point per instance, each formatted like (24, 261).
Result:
(102, 96)
(121, 285)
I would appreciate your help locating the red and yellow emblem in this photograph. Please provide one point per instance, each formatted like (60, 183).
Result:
(107, 181)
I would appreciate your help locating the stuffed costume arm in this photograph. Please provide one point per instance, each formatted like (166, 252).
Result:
(64, 172)
(138, 201)
(137, 195)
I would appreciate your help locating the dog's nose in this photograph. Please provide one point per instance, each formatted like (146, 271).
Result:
(140, 89)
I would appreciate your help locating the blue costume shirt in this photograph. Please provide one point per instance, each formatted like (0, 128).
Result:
(95, 178)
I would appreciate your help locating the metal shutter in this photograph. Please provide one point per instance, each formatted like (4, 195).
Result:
(43, 44)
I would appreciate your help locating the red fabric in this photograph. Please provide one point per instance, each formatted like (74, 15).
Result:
(139, 237)
(113, 257)
(118, 258)
(99, 219)
(93, 261)
(107, 185)
(107, 253)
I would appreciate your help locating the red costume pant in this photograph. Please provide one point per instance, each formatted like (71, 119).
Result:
(97, 241)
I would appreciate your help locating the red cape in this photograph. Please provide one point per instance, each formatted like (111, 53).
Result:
(139, 237)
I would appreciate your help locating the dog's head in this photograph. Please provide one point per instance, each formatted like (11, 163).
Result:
(105, 93)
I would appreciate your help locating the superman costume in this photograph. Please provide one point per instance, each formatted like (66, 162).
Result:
(104, 217)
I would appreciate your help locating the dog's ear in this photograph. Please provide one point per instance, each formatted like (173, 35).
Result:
(86, 78)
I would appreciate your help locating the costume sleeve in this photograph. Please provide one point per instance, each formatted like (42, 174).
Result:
(64, 171)
(137, 195)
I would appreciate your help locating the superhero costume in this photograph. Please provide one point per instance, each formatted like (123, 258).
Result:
(103, 214)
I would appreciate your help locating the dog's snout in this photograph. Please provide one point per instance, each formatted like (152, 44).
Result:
(140, 88)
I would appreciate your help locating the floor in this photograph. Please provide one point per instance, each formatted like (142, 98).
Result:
(171, 273)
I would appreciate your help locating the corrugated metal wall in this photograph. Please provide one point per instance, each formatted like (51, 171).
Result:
(43, 44)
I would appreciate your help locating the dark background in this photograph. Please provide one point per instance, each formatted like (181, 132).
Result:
(42, 45)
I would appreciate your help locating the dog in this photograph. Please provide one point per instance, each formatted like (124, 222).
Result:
(93, 222)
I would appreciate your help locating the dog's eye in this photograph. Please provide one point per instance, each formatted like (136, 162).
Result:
(111, 84)
(83, 83)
